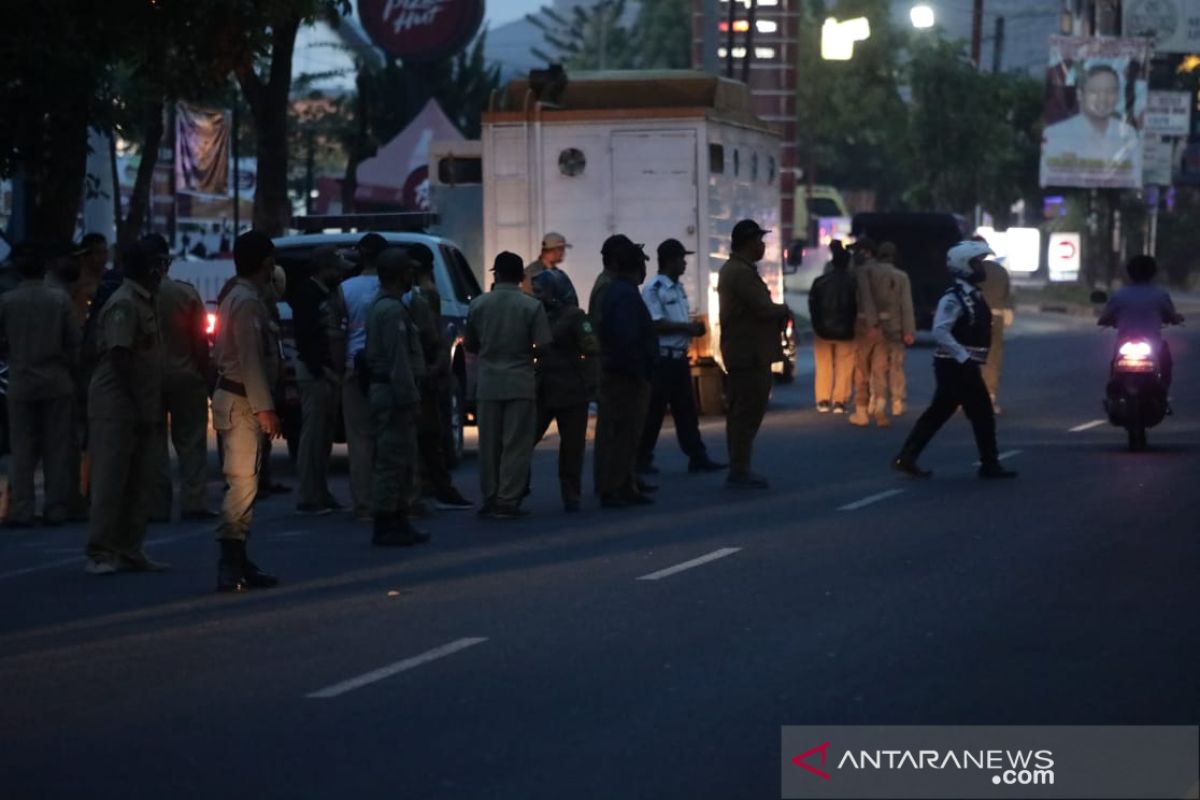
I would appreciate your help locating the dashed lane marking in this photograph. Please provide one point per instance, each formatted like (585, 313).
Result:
(695, 562)
(374, 676)
(866, 501)
(1087, 426)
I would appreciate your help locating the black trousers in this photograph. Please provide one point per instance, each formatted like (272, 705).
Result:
(431, 443)
(957, 385)
(572, 424)
(672, 386)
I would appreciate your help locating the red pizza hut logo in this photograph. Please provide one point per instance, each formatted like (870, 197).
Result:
(421, 30)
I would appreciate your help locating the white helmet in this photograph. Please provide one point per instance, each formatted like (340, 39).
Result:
(960, 256)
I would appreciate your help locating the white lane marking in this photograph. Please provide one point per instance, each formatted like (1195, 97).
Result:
(1005, 455)
(695, 562)
(62, 562)
(1086, 426)
(374, 676)
(289, 534)
(866, 501)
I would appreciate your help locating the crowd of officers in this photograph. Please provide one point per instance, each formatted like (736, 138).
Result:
(107, 367)
(862, 314)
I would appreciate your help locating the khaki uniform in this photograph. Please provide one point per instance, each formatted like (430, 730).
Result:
(40, 337)
(319, 390)
(248, 361)
(123, 421)
(393, 349)
(182, 319)
(503, 327)
(81, 292)
(434, 367)
(750, 343)
(997, 293)
(897, 320)
(342, 332)
(870, 350)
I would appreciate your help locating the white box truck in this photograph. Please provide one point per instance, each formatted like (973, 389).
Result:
(652, 155)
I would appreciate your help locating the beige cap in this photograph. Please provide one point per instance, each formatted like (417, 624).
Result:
(554, 240)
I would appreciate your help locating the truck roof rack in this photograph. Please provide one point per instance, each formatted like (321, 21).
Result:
(408, 221)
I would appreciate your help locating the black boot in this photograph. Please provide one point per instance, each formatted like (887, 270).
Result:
(995, 469)
(908, 465)
(231, 569)
(255, 577)
(395, 530)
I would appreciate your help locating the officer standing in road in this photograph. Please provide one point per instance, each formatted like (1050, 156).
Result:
(667, 302)
(565, 376)
(554, 252)
(610, 254)
(391, 349)
(273, 293)
(997, 292)
(183, 321)
(318, 381)
(962, 329)
(348, 307)
(628, 354)
(504, 327)
(870, 351)
(125, 413)
(897, 323)
(39, 337)
(751, 340)
(833, 310)
(247, 361)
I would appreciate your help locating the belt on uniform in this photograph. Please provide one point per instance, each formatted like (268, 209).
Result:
(233, 387)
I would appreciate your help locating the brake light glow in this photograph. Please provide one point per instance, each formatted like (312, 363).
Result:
(1135, 351)
(212, 323)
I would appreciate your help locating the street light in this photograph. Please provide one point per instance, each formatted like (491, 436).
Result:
(922, 16)
(838, 38)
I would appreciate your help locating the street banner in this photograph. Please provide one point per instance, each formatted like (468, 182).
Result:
(1063, 256)
(1173, 25)
(1158, 160)
(1094, 109)
(202, 150)
(1169, 113)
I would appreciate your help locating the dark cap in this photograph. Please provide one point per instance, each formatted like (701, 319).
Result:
(509, 266)
(673, 248)
(624, 251)
(746, 230)
(372, 244)
(250, 250)
(328, 256)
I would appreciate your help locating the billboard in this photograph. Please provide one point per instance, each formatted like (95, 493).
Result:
(202, 150)
(1095, 103)
(420, 30)
(1174, 25)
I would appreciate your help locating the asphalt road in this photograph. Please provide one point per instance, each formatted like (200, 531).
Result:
(554, 657)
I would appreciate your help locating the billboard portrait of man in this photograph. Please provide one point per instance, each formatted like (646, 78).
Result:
(1095, 100)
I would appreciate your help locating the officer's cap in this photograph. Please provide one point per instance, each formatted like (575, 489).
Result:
(508, 267)
(673, 248)
(623, 251)
(746, 230)
(553, 241)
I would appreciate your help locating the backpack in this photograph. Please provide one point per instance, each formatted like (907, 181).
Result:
(833, 306)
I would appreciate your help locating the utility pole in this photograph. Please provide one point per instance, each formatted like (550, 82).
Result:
(976, 32)
(750, 18)
(729, 41)
(998, 46)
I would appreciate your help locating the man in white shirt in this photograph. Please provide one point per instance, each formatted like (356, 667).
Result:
(1095, 141)
(672, 384)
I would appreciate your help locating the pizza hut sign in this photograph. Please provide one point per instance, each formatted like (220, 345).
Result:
(420, 30)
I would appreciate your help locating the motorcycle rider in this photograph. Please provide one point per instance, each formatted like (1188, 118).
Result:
(1141, 309)
(962, 329)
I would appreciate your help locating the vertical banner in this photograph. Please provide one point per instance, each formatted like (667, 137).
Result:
(202, 150)
(1095, 102)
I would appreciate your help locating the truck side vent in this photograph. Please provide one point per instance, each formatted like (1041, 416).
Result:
(572, 162)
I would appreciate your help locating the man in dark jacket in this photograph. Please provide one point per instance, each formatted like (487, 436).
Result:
(832, 308)
(318, 381)
(629, 349)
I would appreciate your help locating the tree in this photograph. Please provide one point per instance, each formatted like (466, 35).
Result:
(594, 36)
(662, 35)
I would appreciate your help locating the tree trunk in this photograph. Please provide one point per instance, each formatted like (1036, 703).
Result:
(139, 200)
(55, 185)
(268, 103)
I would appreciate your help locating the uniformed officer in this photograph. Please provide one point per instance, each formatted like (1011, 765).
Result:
(870, 350)
(997, 292)
(671, 385)
(565, 377)
(503, 327)
(317, 380)
(751, 324)
(392, 348)
(424, 304)
(962, 330)
(125, 412)
(40, 339)
(609, 255)
(628, 354)
(554, 252)
(183, 321)
(247, 359)
(272, 294)
(348, 307)
(897, 323)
